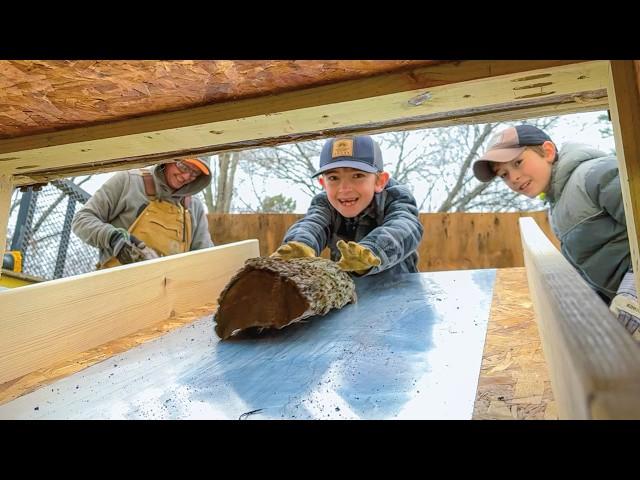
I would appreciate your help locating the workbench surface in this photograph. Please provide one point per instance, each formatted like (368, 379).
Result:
(411, 347)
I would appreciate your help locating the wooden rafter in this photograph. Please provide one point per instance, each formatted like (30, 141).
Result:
(625, 116)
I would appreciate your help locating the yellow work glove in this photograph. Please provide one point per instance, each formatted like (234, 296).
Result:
(293, 250)
(356, 258)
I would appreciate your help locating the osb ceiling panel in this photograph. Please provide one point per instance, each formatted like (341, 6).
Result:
(45, 96)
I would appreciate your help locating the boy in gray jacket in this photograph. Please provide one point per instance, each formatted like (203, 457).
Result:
(583, 189)
(140, 214)
(369, 221)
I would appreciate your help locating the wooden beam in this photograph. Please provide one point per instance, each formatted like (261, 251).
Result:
(430, 94)
(625, 117)
(49, 322)
(590, 103)
(510, 112)
(593, 361)
(6, 188)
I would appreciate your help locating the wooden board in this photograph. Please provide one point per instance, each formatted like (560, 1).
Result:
(77, 362)
(429, 94)
(452, 241)
(6, 188)
(594, 363)
(52, 321)
(624, 99)
(514, 380)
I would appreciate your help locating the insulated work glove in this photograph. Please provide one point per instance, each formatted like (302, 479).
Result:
(293, 250)
(356, 258)
(129, 249)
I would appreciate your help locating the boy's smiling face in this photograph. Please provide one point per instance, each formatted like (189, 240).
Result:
(350, 191)
(530, 173)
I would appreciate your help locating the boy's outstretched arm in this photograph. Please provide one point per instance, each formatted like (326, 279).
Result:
(313, 229)
(400, 233)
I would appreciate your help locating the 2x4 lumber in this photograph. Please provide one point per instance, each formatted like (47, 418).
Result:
(6, 188)
(624, 101)
(594, 363)
(52, 321)
(428, 94)
(511, 113)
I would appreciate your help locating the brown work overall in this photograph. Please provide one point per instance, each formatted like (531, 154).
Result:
(163, 226)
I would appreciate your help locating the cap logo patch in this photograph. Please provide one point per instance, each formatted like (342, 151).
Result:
(342, 148)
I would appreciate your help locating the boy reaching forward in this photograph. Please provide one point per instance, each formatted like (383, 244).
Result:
(583, 189)
(369, 221)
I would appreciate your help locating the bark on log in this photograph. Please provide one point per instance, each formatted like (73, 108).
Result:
(270, 292)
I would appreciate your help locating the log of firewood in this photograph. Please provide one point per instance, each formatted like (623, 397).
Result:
(269, 292)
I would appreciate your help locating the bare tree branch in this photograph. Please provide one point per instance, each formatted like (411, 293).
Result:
(436, 161)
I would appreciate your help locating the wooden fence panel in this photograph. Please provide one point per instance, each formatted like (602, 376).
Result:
(452, 241)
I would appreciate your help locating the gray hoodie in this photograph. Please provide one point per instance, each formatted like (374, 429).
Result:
(122, 198)
(587, 215)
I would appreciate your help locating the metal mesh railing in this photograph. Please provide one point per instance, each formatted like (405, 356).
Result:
(40, 227)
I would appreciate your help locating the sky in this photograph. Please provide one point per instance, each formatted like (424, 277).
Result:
(578, 127)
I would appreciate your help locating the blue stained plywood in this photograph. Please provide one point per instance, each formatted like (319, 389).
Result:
(410, 348)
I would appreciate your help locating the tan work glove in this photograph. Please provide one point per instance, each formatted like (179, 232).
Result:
(128, 248)
(293, 250)
(148, 253)
(356, 258)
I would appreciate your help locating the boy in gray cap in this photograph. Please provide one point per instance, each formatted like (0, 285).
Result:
(369, 221)
(583, 189)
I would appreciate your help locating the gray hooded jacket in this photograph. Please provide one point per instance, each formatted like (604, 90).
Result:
(122, 198)
(587, 215)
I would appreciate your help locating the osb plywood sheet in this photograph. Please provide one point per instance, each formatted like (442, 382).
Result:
(44, 376)
(514, 381)
(39, 96)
